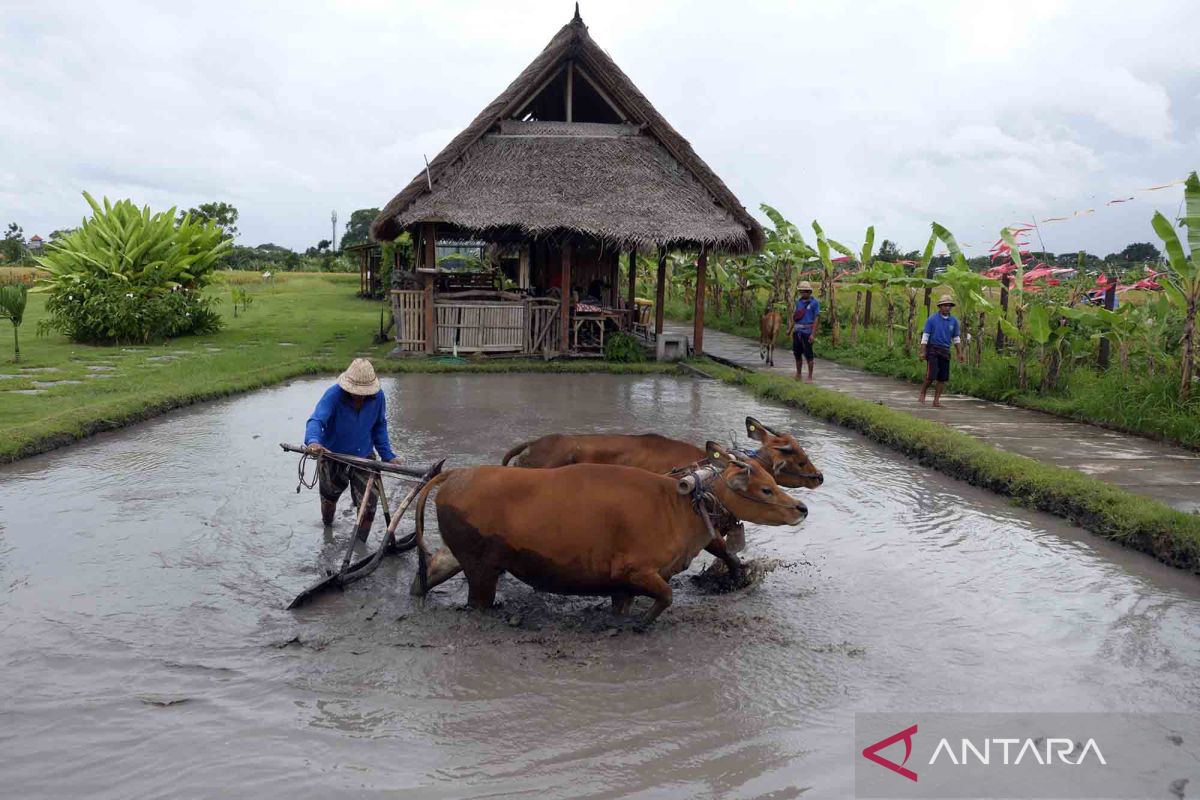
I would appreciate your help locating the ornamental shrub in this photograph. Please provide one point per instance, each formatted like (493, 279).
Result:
(131, 276)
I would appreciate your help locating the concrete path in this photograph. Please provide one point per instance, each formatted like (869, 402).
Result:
(1164, 472)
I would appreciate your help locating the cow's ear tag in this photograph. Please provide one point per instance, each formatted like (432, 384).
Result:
(752, 428)
(716, 455)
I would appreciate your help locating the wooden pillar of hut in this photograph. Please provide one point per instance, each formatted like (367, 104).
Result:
(867, 310)
(429, 237)
(660, 291)
(631, 305)
(698, 319)
(564, 315)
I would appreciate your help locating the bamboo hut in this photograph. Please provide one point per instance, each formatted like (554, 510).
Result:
(567, 170)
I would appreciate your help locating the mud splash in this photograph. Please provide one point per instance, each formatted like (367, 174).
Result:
(143, 576)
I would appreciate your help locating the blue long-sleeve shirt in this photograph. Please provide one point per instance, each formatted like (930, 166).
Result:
(336, 425)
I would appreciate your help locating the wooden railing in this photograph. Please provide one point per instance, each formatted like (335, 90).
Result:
(544, 336)
(467, 325)
(480, 326)
(408, 309)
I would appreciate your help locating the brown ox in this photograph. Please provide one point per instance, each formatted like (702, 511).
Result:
(768, 332)
(589, 529)
(779, 453)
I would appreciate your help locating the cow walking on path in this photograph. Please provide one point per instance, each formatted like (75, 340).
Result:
(768, 332)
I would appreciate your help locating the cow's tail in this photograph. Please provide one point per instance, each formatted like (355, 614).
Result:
(516, 451)
(422, 556)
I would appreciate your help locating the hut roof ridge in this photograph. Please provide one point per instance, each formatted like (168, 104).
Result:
(733, 228)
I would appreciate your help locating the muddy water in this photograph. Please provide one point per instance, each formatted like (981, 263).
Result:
(144, 650)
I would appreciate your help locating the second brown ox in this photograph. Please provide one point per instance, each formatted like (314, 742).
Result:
(589, 529)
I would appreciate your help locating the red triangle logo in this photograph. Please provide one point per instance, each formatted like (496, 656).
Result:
(872, 753)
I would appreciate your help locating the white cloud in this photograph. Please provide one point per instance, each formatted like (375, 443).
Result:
(979, 114)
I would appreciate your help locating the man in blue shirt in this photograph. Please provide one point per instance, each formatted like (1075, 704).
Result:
(350, 418)
(803, 328)
(940, 338)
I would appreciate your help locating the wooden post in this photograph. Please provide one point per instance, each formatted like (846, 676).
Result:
(867, 310)
(660, 291)
(1005, 281)
(429, 237)
(632, 306)
(698, 319)
(564, 314)
(614, 280)
(570, 89)
(1110, 302)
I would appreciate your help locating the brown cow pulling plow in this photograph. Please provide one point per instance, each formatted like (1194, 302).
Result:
(778, 453)
(590, 529)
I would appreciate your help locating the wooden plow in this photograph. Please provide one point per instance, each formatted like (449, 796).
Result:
(352, 570)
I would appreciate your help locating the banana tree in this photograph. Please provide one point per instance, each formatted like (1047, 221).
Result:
(828, 290)
(865, 260)
(783, 251)
(881, 278)
(1017, 299)
(13, 298)
(1183, 276)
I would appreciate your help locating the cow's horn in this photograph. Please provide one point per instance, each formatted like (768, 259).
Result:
(686, 484)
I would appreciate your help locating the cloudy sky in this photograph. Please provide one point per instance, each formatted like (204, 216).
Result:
(976, 114)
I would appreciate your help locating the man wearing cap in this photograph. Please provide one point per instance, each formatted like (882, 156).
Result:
(803, 328)
(350, 418)
(938, 341)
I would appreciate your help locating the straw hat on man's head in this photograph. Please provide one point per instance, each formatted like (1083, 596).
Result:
(359, 378)
(805, 286)
(945, 300)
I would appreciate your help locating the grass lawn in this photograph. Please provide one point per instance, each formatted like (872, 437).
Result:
(302, 324)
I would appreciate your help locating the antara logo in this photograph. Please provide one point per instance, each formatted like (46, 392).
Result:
(871, 753)
(1044, 751)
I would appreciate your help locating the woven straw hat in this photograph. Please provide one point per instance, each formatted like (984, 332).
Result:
(359, 378)
(946, 300)
(805, 286)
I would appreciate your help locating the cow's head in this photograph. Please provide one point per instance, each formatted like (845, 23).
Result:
(784, 457)
(749, 491)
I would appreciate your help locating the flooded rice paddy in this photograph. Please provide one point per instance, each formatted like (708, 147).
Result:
(145, 650)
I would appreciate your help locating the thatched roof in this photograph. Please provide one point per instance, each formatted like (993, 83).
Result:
(631, 185)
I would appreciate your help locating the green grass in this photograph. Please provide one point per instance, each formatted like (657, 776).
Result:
(1132, 401)
(318, 316)
(1138, 522)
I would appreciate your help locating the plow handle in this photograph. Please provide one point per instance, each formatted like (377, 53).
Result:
(365, 463)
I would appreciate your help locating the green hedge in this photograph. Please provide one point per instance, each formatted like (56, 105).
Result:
(1139, 522)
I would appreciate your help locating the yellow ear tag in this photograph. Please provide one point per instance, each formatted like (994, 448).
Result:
(716, 455)
(752, 428)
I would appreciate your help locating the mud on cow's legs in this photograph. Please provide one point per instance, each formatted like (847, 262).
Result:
(718, 548)
(622, 602)
(651, 584)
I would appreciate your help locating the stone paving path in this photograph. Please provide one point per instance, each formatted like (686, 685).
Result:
(1165, 472)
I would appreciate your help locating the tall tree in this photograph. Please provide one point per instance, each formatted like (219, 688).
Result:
(222, 213)
(1140, 251)
(888, 251)
(12, 246)
(358, 227)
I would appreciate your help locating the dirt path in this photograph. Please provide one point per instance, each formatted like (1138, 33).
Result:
(1166, 473)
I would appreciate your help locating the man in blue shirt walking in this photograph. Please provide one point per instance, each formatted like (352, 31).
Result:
(803, 328)
(350, 418)
(941, 334)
